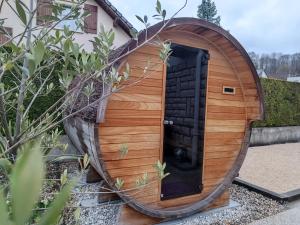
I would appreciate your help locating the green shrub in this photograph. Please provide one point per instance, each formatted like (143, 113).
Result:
(282, 103)
(42, 102)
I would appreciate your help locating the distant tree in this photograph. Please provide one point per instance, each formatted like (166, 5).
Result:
(255, 59)
(277, 65)
(208, 11)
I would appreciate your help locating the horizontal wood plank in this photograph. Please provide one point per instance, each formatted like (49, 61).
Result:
(115, 114)
(134, 170)
(225, 109)
(124, 105)
(224, 148)
(140, 89)
(228, 116)
(108, 156)
(224, 135)
(224, 128)
(135, 146)
(131, 122)
(225, 102)
(129, 130)
(128, 163)
(135, 97)
(123, 138)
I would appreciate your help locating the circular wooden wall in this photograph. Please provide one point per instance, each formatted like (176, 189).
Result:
(134, 117)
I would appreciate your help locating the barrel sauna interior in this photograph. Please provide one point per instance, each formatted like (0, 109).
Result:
(209, 101)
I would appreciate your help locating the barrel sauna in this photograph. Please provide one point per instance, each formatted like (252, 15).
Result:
(195, 114)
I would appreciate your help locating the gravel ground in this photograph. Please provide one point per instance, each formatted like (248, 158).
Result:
(91, 213)
(252, 207)
(274, 167)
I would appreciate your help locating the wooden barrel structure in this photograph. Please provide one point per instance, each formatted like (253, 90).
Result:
(195, 114)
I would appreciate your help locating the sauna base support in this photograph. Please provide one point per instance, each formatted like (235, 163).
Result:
(92, 176)
(129, 216)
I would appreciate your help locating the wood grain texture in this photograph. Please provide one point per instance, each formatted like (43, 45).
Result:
(135, 116)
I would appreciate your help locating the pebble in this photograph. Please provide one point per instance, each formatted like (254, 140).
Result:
(253, 206)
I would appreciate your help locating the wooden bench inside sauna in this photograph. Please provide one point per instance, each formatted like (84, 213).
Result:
(195, 114)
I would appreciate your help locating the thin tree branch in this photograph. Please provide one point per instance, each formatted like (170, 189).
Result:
(38, 92)
(21, 96)
(4, 120)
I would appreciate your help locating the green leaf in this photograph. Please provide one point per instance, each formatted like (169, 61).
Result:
(158, 6)
(26, 182)
(146, 19)
(123, 150)
(21, 12)
(75, 50)
(38, 52)
(3, 210)
(86, 161)
(64, 158)
(31, 66)
(119, 183)
(64, 177)
(53, 213)
(6, 165)
(139, 18)
(164, 13)
(77, 214)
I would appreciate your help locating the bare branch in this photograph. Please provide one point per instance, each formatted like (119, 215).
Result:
(24, 78)
(37, 93)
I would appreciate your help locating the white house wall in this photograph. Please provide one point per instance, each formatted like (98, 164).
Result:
(81, 38)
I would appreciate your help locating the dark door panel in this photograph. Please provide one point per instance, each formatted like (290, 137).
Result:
(184, 121)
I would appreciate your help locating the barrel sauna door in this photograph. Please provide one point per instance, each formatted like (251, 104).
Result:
(184, 121)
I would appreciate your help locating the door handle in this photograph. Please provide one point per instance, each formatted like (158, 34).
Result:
(168, 122)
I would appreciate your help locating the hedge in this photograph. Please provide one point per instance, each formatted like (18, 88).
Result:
(42, 102)
(282, 103)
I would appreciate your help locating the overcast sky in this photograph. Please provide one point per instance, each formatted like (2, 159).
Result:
(263, 26)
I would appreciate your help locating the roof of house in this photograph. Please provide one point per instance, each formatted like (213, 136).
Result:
(116, 15)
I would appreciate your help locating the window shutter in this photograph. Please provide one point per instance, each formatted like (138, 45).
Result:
(90, 22)
(44, 8)
(3, 36)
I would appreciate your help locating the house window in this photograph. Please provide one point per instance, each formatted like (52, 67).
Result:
(70, 23)
(90, 22)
